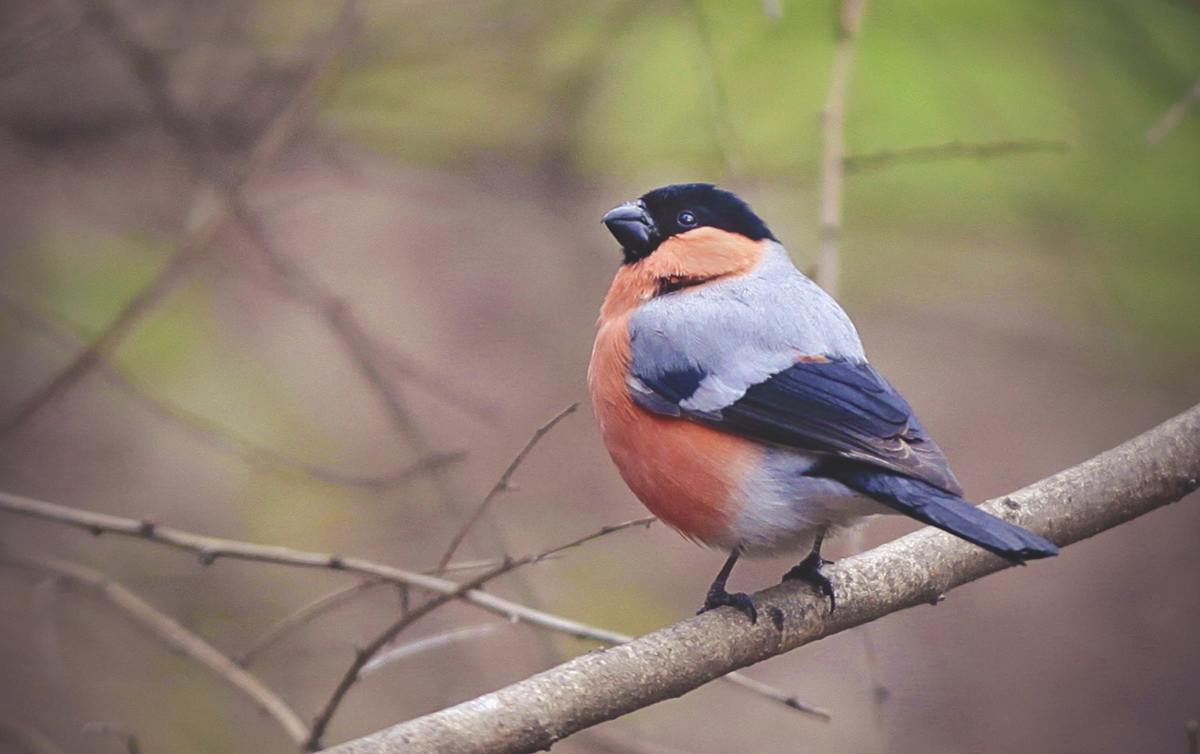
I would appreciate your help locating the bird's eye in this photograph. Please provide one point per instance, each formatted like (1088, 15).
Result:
(686, 219)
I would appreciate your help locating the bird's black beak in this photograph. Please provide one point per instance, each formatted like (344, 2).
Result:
(633, 228)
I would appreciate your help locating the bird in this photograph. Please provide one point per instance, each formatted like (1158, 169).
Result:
(737, 402)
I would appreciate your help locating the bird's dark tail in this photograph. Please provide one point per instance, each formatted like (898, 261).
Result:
(933, 506)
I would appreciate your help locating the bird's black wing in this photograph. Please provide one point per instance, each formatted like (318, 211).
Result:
(836, 406)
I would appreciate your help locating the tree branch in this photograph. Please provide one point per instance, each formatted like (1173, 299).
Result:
(1173, 117)
(22, 737)
(67, 335)
(501, 485)
(409, 617)
(208, 549)
(172, 633)
(1152, 470)
(954, 150)
(210, 212)
(834, 138)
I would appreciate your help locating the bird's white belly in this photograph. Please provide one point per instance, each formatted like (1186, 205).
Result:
(782, 509)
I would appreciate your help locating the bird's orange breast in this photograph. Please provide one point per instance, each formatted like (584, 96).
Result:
(687, 474)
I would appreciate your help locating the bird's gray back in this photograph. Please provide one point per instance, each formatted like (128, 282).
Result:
(735, 333)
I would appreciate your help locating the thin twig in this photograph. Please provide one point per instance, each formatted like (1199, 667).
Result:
(395, 654)
(172, 633)
(1173, 117)
(955, 150)
(177, 269)
(301, 285)
(500, 486)
(770, 692)
(302, 616)
(364, 655)
(475, 565)
(209, 549)
(356, 343)
(437, 385)
(209, 212)
(212, 432)
(22, 737)
(718, 97)
(834, 138)
(119, 730)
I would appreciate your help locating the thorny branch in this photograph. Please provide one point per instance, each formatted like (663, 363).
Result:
(1158, 467)
(172, 633)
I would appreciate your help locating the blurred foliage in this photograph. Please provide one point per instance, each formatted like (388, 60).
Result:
(649, 93)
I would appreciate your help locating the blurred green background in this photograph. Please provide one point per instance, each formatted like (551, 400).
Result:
(1019, 249)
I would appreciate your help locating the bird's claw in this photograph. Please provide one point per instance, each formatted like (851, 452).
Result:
(721, 598)
(809, 571)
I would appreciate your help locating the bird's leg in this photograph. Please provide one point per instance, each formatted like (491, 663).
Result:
(718, 597)
(809, 570)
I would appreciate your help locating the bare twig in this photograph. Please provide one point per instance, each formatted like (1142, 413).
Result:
(208, 549)
(718, 98)
(209, 431)
(500, 486)
(834, 137)
(774, 694)
(955, 150)
(22, 737)
(437, 385)
(395, 654)
(46, 638)
(117, 729)
(1173, 117)
(173, 273)
(172, 633)
(1154, 469)
(302, 616)
(407, 618)
(301, 285)
(354, 339)
(209, 213)
(477, 565)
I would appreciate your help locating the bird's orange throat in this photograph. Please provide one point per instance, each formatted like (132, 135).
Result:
(699, 256)
(687, 474)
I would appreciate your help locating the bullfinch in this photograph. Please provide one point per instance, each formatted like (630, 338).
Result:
(735, 398)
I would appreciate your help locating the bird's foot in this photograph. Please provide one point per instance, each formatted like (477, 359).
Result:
(718, 597)
(809, 570)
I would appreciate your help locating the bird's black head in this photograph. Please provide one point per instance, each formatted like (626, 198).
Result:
(641, 225)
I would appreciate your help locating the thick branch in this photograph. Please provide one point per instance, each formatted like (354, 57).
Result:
(1156, 468)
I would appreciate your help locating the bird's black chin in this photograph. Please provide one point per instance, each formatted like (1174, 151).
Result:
(633, 228)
